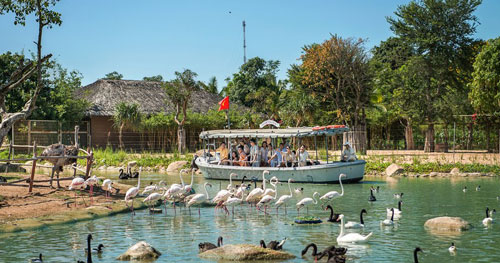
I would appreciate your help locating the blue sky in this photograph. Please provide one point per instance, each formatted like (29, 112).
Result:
(151, 37)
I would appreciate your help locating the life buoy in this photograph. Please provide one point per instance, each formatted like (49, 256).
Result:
(338, 126)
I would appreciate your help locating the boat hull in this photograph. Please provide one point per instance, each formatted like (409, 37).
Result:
(321, 173)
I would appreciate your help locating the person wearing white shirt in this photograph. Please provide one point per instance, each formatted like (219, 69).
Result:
(303, 156)
(348, 154)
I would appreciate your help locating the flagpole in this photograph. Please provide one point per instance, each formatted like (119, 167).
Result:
(228, 122)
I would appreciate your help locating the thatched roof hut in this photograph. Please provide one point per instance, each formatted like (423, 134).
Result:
(105, 94)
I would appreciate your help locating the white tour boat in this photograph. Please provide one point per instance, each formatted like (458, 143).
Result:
(321, 172)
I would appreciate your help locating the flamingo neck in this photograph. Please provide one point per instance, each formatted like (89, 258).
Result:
(275, 191)
(341, 186)
(231, 179)
(206, 191)
(314, 199)
(139, 180)
(263, 181)
(290, 188)
(192, 177)
(182, 181)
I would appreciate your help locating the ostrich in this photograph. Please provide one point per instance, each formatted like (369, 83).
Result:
(59, 149)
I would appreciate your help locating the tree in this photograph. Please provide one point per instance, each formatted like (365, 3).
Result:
(113, 76)
(45, 18)
(179, 91)
(439, 31)
(126, 116)
(256, 85)
(336, 73)
(211, 86)
(157, 78)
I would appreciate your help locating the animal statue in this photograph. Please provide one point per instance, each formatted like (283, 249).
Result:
(58, 150)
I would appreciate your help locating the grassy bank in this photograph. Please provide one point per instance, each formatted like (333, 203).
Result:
(110, 157)
(376, 166)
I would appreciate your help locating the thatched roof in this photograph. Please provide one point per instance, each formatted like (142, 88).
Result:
(105, 94)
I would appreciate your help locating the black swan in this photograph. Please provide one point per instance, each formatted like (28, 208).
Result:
(123, 175)
(274, 245)
(89, 249)
(332, 257)
(415, 256)
(208, 246)
(37, 260)
(372, 197)
(333, 217)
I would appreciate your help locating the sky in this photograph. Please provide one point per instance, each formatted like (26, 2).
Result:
(159, 37)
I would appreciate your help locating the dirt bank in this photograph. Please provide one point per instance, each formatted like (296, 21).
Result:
(20, 210)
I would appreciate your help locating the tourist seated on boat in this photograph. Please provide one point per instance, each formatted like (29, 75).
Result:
(263, 154)
(282, 149)
(254, 154)
(243, 157)
(270, 152)
(224, 154)
(246, 148)
(234, 158)
(276, 158)
(288, 158)
(348, 154)
(304, 156)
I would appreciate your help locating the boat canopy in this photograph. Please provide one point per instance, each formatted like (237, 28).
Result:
(273, 133)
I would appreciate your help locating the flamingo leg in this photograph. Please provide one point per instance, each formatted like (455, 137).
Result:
(75, 198)
(307, 209)
(199, 212)
(298, 211)
(285, 209)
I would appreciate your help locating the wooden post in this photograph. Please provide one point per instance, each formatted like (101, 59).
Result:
(90, 158)
(10, 154)
(33, 168)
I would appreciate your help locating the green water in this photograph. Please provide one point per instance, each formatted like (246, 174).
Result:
(177, 237)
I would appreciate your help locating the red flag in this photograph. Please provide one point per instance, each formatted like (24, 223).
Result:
(224, 104)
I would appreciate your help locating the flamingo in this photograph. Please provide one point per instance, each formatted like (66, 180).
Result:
(78, 184)
(232, 201)
(153, 198)
(107, 187)
(199, 198)
(154, 187)
(257, 193)
(326, 198)
(132, 192)
(91, 182)
(274, 181)
(306, 202)
(230, 185)
(188, 188)
(266, 199)
(284, 198)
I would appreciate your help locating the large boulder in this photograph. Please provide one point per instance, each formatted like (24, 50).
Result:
(394, 170)
(244, 252)
(446, 223)
(140, 251)
(176, 166)
(455, 171)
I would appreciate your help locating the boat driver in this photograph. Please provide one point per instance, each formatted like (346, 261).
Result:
(348, 154)
(224, 154)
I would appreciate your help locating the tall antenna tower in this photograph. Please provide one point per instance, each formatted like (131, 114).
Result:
(244, 44)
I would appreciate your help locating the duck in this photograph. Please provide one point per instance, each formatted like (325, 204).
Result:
(205, 246)
(488, 219)
(36, 260)
(397, 211)
(398, 196)
(452, 248)
(274, 245)
(389, 222)
(299, 191)
(350, 237)
(415, 255)
(333, 216)
(372, 197)
(97, 250)
(478, 188)
(378, 189)
(465, 189)
(361, 224)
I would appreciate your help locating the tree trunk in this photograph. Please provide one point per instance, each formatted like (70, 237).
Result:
(446, 138)
(429, 138)
(410, 144)
(181, 139)
(470, 137)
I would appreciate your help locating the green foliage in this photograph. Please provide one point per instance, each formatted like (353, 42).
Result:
(157, 78)
(256, 86)
(117, 158)
(113, 76)
(127, 115)
(211, 86)
(179, 92)
(485, 87)
(24, 8)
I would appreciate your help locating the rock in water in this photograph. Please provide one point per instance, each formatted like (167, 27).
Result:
(446, 223)
(244, 252)
(176, 166)
(394, 170)
(455, 171)
(141, 250)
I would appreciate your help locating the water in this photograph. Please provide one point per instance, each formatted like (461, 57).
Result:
(177, 237)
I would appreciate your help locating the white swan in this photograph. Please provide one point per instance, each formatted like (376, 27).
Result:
(488, 220)
(306, 202)
(361, 224)
(397, 211)
(350, 237)
(389, 222)
(333, 194)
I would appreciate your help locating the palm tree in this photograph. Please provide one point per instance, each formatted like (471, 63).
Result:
(126, 116)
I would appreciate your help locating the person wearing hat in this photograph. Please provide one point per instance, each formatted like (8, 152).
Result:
(348, 154)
